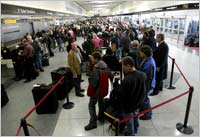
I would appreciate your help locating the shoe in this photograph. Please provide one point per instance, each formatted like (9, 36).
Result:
(79, 95)
(144, 117)
(90, 126)
(26, 81)
(82, 90)
(42, 70)
(82, 80)
(153, 94)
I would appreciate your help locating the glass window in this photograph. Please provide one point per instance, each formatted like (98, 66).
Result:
(182, 24)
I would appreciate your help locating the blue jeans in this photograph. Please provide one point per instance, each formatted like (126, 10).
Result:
(38, 61)
(146, 105)
(132, 124)
(59, 42)
(118, 52)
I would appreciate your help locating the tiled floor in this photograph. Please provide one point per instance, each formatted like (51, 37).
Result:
(71, 122)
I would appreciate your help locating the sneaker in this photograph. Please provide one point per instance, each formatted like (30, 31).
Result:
(144, 117)
(42, 70)
(90, 126)
(79, 95)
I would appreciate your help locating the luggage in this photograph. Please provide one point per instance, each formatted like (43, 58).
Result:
(45, 60)
(111, 105)
(4, 96)
(66, 85)
(50, 104)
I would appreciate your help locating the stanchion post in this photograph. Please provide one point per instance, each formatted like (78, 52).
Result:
(185, 128)
(172, 75)
(25, 128)
(117, 127)
(68, 104)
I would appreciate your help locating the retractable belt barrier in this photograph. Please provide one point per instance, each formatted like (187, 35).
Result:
(183, 128)
(24, 124)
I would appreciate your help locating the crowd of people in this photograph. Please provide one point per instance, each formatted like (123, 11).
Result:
(143, 61)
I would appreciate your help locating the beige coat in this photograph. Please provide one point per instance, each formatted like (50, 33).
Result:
(73, 62)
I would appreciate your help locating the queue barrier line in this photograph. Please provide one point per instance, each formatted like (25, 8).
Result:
(18, 131)
(33, 128)
(121, 121)
(49, 92)
(170, 57)
(34, 108)
(187, 82)
(110, 116)
(159, 105)
(147, 110)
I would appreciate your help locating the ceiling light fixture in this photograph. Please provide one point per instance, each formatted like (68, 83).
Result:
(100, 2)
(96, 6)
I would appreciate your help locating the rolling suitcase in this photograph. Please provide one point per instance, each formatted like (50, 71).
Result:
(62, 88)
(4, 96)
(45, 60)
(50, 104)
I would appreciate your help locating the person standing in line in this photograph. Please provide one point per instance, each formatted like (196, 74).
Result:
(148, 66)
(37, 54)
(135, 53)
(131, 94)
(74, 61)
(152, 40)
(161, 59)
(99, 83)
(27, 53)
(126, 43)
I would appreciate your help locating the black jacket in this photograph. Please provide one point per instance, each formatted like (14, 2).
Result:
(135, 54)
(132, 91)
(161, 59)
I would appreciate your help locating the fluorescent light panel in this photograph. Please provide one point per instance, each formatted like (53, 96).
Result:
(100, 2)
(97, 6)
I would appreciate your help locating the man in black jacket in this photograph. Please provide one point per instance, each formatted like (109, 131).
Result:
(161, 59)
(132, 93)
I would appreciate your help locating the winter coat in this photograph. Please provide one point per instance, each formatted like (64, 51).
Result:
(100, 69)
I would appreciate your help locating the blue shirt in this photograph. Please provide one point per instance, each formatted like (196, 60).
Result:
(146, 66)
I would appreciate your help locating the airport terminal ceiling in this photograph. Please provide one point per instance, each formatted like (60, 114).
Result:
(93, 7)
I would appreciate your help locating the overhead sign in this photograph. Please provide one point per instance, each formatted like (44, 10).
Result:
(25, 11)
(13, 9)
(9, 21)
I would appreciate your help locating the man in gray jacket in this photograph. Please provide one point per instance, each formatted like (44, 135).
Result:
(97, 89)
